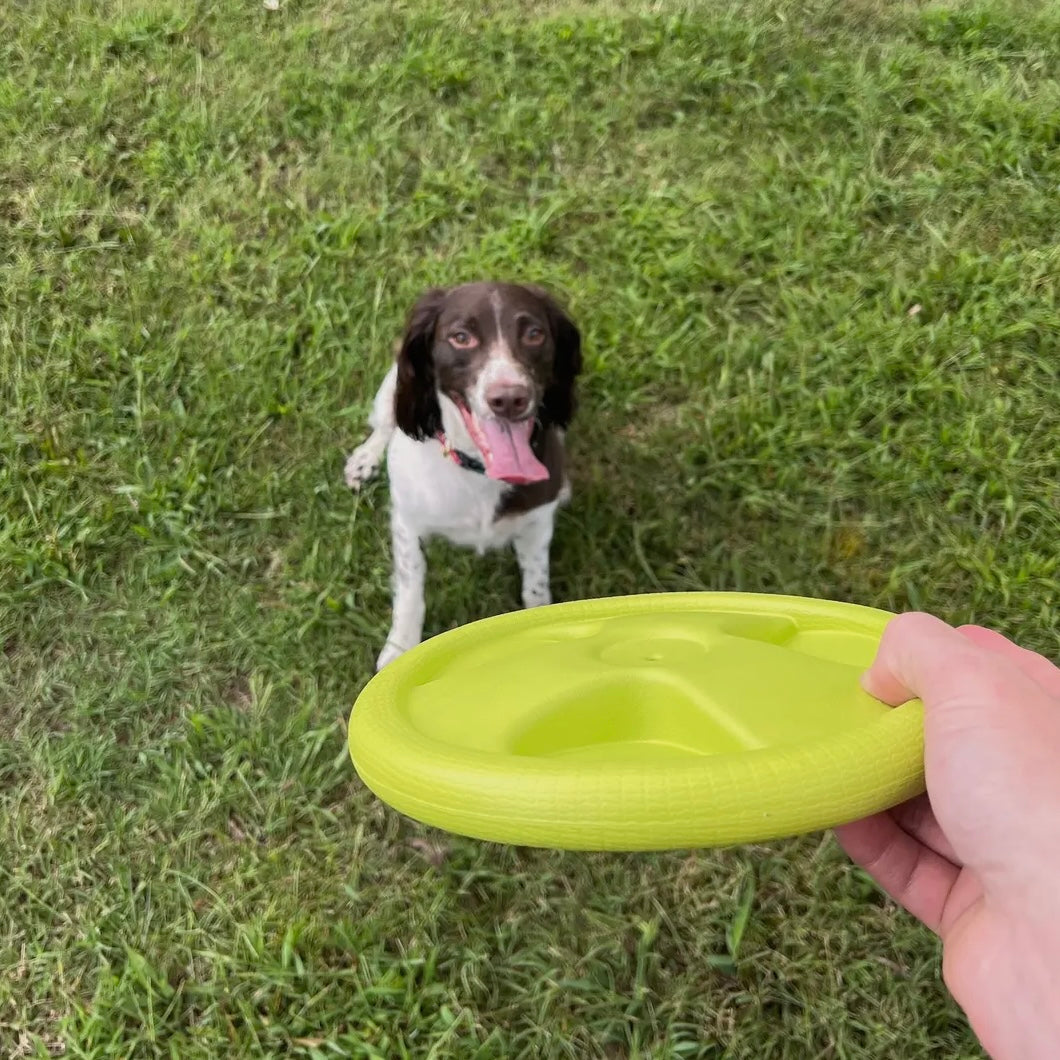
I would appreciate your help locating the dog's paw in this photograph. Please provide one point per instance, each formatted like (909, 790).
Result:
(389, 653)
(536, 594)
(361, 466)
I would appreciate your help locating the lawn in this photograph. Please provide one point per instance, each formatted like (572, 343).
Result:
(813, 250)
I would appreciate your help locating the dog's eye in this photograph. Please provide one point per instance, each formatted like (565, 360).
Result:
(534, 336)
(463, 340)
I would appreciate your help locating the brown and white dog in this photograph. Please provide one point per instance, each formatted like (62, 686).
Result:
(472, 418)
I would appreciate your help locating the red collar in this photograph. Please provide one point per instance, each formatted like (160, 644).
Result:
(461, 459)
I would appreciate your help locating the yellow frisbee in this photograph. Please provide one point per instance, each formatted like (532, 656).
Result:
(666, 721)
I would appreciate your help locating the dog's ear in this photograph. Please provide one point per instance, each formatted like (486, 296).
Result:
(560, 400)
(416, 408)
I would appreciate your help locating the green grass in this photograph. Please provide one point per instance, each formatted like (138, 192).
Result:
(813, 248)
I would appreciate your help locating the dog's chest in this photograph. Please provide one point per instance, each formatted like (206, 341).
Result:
(437, 498)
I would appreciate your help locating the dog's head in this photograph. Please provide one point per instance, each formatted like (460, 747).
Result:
(506, 355)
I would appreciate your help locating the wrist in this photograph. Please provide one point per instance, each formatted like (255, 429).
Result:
(1007, 980)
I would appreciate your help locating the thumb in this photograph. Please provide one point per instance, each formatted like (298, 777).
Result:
(920, 656)
(1031, 663)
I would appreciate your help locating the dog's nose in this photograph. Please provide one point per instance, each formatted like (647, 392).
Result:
(509, 401)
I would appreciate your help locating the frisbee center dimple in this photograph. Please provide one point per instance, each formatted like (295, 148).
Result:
(663, 652)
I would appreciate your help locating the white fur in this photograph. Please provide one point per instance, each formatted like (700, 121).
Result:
(501, 367)
(433, 497)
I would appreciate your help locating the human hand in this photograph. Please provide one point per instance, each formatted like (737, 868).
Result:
(977, 859)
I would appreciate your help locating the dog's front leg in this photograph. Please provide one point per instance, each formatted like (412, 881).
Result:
(366, 458)
(410, 570)
(532, 545)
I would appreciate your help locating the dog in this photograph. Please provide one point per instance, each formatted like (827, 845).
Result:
(472, 419)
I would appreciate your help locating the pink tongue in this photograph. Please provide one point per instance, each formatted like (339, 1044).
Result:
(510, 457)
